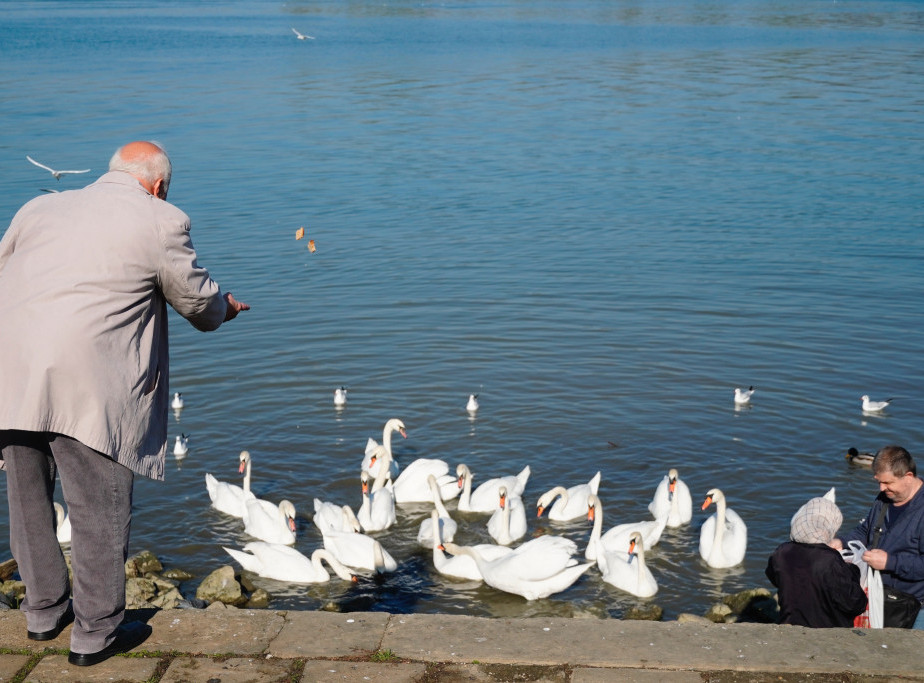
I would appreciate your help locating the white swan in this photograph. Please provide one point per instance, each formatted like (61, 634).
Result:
(617, 570)
(282, 563)
(462, 566)
(359, 551)
(484, 498)
(268, 522)
(377, 511)
(230, 498)
(446, 526)
(534, 570)
(374, 449)
(724, 536)
(62, 525)
(411, 485)
(616, 539)
(329, 516)
(508, 523)
(181, 446)
(177, 403)
(570, 503)
(672, 498)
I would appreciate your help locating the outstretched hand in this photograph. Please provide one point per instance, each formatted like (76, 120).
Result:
(233, 307)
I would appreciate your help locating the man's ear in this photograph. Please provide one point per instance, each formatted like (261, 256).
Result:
(160, 188)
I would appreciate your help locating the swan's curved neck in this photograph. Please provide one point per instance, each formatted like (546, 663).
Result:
(598, 524)
(437, 496)
(247, 476)
(552, 494)
(339, 569)
(384, 469)
(719, 526)
(465, 499)
(505, 524)
(640, 560)
(378, 558)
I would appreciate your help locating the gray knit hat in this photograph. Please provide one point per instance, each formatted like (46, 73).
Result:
(816, 522)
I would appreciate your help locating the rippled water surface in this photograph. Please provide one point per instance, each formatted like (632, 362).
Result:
(599, 216)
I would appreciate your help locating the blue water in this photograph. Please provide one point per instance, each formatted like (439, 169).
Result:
(599, 216)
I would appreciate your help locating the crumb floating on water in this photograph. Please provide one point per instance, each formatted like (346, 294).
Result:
(299, 233)
(311, 246)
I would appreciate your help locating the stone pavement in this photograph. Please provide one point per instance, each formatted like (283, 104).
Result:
(259, 646)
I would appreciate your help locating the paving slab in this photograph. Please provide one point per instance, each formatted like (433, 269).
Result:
(10, 665)
(329, 634)
(214, 632)
(356, 672)
(491, 673)
(587, 675)
(55, 669)
(656, 645)
(233, 670)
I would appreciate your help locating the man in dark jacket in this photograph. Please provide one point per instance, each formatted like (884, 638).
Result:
(896, 545)
(816, 586)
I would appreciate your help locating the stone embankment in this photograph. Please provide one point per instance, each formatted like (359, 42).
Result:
(224, 644)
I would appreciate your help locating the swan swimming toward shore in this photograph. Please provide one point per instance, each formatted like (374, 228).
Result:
(231, 498)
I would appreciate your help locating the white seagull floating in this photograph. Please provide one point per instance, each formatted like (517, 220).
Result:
(181, 447)
(472, 406)
(177, 402)
(743, 397)
(340, 397)
(874, 406)
(302, 36)
(56, 174)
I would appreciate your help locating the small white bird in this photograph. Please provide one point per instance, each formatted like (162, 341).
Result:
(56, 174)
(340, 397)
(874, 406)
(742, 396)
(472, 406)
(302, 36)
(177, 402)
(180, 447)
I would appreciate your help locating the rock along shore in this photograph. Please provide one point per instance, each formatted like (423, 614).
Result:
(236, 645)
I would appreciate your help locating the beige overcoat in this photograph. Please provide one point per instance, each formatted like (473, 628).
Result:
(85, 277)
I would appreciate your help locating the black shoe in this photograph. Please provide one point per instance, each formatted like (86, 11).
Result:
(53, 633)
(128, 637)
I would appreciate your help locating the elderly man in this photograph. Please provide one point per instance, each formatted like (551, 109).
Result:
(892, 531)
(85, 279)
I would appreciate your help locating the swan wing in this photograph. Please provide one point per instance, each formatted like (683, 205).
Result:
(266, 521)
(411, 485)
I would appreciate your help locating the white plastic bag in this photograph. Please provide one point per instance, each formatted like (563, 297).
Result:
(871, 582)
(874, 591)
(854, 553)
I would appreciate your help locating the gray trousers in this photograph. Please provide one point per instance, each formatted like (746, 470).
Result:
(98, 493)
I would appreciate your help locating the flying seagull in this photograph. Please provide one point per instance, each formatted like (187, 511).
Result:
(56, 174)
(302, 36)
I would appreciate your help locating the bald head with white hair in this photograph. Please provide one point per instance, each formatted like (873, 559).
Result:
(147, 162)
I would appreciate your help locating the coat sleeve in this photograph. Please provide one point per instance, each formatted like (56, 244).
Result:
(844, 589)
(187, 286)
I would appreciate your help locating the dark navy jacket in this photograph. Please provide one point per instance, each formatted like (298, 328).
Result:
(903, 541)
